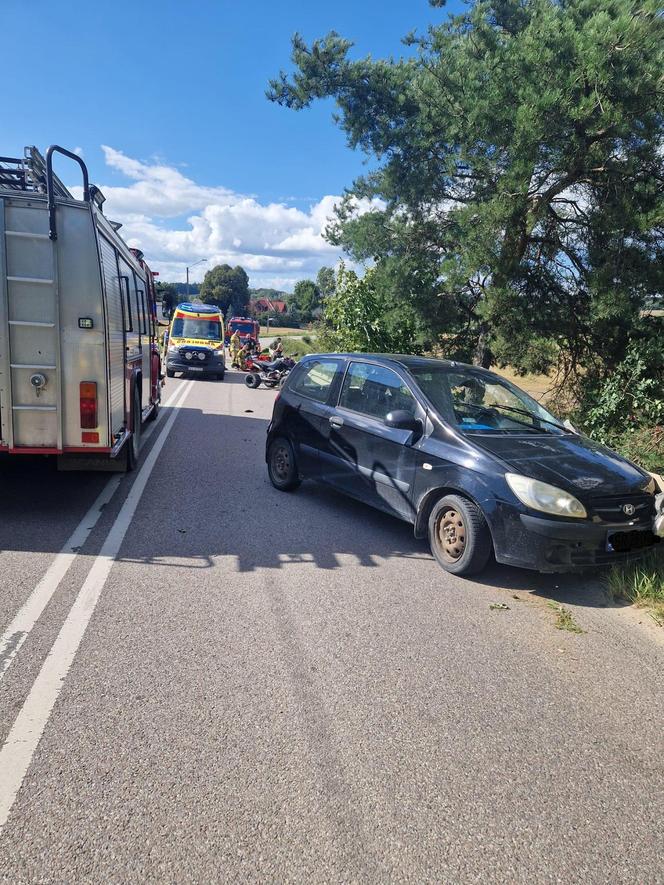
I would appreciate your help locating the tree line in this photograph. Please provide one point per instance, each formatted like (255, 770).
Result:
(228, 288)
(517, 181)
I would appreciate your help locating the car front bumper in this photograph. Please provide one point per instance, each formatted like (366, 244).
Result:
(550, 545)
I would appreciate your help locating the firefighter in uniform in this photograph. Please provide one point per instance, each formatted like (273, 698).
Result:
(235, 346)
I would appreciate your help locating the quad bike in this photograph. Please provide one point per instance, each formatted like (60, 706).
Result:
(271, 374)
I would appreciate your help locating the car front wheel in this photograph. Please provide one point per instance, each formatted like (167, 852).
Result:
(459, 536)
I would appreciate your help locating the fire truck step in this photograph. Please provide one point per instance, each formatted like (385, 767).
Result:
(30, 280)
(25, 233)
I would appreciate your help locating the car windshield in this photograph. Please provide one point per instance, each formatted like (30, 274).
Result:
(479, 402)
(243, 328)
(185, 327)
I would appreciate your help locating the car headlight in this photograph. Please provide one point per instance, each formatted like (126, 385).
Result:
(173, 349)
(651, 487)
(541, 496)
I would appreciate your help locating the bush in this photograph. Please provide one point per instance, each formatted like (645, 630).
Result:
(356, 318)
(282, 320)
(625, 410)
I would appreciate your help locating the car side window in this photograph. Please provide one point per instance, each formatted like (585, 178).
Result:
(375, 391)
(316, 379)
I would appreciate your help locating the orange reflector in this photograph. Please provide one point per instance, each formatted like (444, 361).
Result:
(89, 437)
(88, 390)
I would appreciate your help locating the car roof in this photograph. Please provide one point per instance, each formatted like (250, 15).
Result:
(407, 361)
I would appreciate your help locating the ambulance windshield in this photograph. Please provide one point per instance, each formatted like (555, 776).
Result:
(189, 327)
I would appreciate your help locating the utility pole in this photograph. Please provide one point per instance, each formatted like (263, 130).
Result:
(200, 261)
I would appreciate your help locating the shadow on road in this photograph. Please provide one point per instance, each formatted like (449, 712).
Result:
(210, 498)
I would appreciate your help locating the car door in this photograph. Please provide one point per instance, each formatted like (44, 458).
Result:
(369, 460)
(307, 399)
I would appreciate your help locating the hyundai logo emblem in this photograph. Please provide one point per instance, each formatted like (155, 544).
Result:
(628, 509)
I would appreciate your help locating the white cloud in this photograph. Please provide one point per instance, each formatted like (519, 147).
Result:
(277, 244)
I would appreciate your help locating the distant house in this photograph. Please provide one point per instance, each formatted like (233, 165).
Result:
(267, 305)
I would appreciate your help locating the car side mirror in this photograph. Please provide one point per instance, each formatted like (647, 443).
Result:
(400, 419)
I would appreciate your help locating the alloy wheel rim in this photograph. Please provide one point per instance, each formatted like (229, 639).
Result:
(452, 535)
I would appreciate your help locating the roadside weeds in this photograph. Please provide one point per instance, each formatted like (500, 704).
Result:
(641, 584)
(564, 618)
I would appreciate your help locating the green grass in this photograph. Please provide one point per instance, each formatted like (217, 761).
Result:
(281, 331)
(641, 583)
(300, 346)
(564, 619)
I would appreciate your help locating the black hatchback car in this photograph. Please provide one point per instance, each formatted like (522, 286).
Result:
(466, 457)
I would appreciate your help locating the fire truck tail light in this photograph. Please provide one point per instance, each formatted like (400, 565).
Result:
(89, 437)
(88, 400)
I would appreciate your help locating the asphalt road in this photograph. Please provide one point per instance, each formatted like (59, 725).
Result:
(233, 684)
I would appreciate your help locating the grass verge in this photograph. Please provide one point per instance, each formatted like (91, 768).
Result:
(300, 346)
(281, 331)
(564, 619)
(641, 583)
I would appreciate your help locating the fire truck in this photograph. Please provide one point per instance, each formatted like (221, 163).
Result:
(79, 363)
(245, 327)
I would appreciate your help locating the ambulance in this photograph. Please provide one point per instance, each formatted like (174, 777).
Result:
(196, 341)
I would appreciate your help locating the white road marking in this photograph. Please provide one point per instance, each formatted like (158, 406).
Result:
(23, 739)
(17, 632)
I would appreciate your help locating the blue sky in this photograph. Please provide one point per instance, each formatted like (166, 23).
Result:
(197, 162)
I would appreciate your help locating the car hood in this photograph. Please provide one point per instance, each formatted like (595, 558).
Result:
(574, 462)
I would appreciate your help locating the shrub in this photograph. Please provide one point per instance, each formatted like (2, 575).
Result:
(625, 410)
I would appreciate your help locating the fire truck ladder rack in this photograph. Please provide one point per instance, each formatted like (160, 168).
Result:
(28, 173)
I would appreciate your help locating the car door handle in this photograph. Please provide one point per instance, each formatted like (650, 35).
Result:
(336, 422)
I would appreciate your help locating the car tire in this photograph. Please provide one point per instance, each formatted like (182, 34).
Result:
(282, 466)
(252, 381)
(459, 536)
(220, 376)
(170, 373)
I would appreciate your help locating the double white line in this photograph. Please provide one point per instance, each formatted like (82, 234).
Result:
(18, 750)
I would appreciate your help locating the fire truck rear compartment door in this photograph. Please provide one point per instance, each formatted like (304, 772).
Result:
(29, 335)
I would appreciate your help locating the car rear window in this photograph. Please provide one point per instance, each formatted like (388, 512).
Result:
(315, 379)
